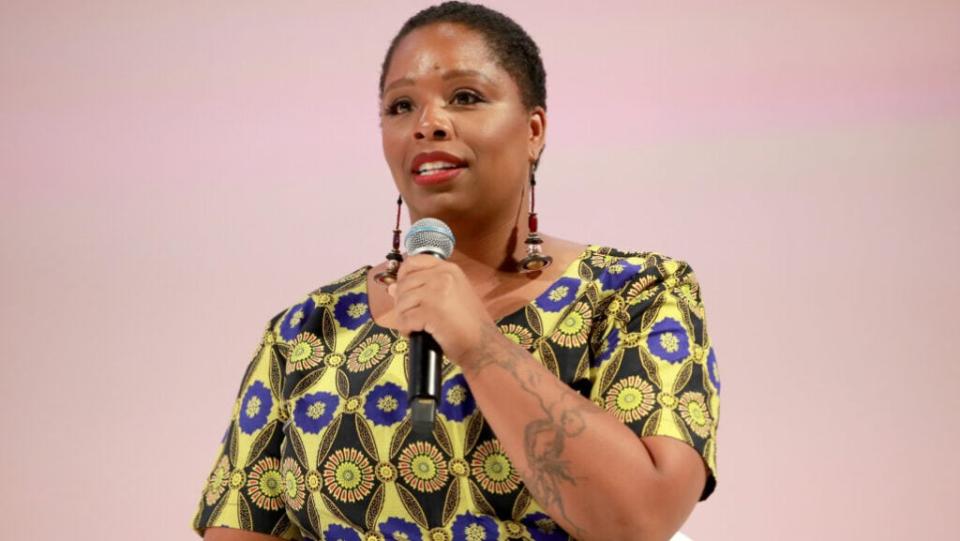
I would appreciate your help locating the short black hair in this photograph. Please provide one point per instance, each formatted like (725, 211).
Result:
(513, 48)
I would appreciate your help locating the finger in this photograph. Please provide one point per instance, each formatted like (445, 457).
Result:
(407, 303)
(416, 263)
(412, 321)
(409, 284)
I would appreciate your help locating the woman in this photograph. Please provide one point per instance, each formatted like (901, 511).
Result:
(580, 392)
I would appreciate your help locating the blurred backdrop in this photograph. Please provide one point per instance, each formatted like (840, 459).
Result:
(174, 173)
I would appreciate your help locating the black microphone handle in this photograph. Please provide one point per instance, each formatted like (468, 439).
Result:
(426, 362)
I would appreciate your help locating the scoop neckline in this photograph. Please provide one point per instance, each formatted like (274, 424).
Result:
(590, 249)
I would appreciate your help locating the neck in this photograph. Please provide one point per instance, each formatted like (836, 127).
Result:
(489, 245)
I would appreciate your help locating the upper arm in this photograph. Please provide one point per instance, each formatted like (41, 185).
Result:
(243, 493)
(657, 373)
(682, 473)
(677, 355)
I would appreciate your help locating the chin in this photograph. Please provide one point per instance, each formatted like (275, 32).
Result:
(443, 207)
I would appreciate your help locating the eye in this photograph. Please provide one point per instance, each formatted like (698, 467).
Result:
(397, 107)
(465, 97)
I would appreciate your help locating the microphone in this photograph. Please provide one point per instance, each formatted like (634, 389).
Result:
(426, 236)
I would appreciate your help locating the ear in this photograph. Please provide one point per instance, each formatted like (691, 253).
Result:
(537, 132)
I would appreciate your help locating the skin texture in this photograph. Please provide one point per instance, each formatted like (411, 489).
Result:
(427, 105)
(445, 91)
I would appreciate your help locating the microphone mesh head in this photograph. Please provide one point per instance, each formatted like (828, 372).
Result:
(430, 235)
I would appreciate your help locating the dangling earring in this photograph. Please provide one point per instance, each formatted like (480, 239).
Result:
(394, 258)
(535, 260)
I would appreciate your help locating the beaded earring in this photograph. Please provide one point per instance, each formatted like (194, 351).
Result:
(389, 275)
(535, 261)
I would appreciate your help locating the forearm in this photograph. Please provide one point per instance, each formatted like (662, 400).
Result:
(588, 471)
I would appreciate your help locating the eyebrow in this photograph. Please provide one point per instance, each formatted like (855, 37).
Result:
(449, 74)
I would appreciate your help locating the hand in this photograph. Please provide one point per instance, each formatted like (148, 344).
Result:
(435, 296)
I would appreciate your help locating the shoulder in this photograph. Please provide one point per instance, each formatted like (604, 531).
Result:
(635, 270)
(349, 288)
(641, 280)
(661, 294)
(646, 258)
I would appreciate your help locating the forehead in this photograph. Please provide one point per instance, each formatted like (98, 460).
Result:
(439, 47)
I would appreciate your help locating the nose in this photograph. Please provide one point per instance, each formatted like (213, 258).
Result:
(433, 124)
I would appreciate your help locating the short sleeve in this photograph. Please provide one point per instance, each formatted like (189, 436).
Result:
(245, 487)
(656, 369)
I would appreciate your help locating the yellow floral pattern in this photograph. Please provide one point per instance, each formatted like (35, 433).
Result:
(319, 443)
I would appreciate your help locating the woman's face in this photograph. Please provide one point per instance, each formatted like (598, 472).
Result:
(444, 92)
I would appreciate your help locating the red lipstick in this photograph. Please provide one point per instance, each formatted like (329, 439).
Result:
(429, 168)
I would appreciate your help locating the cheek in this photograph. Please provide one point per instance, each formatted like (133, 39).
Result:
(502, 142)
(393, 150)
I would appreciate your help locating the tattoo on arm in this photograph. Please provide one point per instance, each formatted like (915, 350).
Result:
(544, 438)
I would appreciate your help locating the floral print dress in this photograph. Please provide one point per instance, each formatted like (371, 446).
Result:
(319, 445)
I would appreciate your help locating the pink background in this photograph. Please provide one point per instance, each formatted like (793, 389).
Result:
(175, 173)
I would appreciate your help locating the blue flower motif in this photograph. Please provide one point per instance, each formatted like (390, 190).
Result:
(543, 528)
(712, 369)
(560, 294)
(336, 532)
(294, 320)
(352, 310)
(255, 407)
(618, 273)
(669, 341)
(613, 340)
(386, 404)
(315, 411)
(407, 531)
(456, 400)
(474, 528)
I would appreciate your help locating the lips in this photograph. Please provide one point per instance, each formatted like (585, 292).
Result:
(426, 163)
(432, 168)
